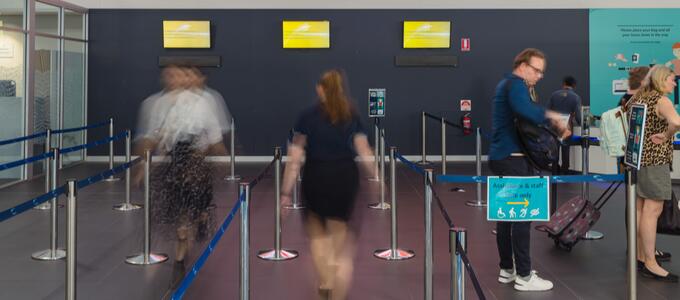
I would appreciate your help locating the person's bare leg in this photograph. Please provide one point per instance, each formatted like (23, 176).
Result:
(650, 214)
(182, 246)
(343, 245)
(320, 249)
(639, 204)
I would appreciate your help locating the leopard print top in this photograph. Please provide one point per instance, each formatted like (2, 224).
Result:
(654, 154)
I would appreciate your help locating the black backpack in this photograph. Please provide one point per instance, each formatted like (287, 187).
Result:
(539, 144)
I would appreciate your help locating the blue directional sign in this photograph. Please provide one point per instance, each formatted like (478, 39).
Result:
(518, 199)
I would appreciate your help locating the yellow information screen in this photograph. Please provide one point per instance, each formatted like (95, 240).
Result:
(426, 34)
(186, 34)
(306, 34)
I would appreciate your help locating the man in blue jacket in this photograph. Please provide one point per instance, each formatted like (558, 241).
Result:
(512, 100)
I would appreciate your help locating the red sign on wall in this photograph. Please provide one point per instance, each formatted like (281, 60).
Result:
(465, 44)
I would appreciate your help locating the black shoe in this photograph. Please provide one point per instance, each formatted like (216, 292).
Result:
(324, 293)
(178, 272)
(662, 255)
(640, 265)
(670, 277)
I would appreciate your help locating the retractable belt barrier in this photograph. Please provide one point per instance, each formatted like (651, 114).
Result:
(16, 210)
(553, 179)
(29, 160)
(242, 204)
(44, 133)
(191, 275)
(95, 143)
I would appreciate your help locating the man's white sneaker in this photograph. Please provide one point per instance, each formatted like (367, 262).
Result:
(533, 284)
(507, 277)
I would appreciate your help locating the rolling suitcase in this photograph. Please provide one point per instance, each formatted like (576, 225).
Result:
(573, 219)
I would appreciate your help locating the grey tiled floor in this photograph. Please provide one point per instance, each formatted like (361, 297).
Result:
(593, 270)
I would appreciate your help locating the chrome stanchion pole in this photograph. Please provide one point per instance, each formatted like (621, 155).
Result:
(381, 173)
(631, 195)
(443, 146)
(277, 254)
(127, 206)
(585, 144)
(478, 164)
(52, 253)
(296, 204)
(47, 167)
(147, 258)
(376, 140)
(112, 177)
(232, 154)
(457, 236)
(393, 253)
(428, 235)
(423, 139)
(244, 189)
(71, 238)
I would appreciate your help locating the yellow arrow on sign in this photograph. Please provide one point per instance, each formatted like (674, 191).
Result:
(525, 203)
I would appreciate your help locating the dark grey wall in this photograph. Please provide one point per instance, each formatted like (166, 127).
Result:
(266, 86)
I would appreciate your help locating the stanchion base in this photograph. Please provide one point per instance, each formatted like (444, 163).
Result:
(127, 206)
(233, 178)
(593, 235)
(282, 255)
(294, 206)
(476, 203)
(424, 163)
(380, 205)
(49, 255)
(398, 254)
(154, 258)
(112, 179)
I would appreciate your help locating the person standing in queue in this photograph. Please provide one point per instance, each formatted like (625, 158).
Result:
(329, 135)
(654, 177)
(512, 100)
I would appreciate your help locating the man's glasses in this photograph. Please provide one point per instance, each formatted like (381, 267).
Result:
(537, 70)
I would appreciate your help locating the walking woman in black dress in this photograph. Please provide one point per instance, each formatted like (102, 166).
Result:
(329, 135)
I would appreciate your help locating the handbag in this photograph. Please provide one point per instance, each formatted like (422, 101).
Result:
(669, 220)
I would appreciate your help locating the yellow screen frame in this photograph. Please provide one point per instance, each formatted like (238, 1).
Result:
(427, 34)
(306, 34)
(186, 34)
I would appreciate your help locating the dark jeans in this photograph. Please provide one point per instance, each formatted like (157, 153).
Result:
(565, 159)
(513, 238)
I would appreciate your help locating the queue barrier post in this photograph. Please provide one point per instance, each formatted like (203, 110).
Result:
(479, 202)
(244, 281)
(127, 206)
(457, 236)
(71, 240)
(53, 253)
(48, 173)
(232, 154)
(146, 257)
(277, 254)
(382, 205)
(393, 253)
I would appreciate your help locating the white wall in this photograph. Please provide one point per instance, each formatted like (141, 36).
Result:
(375, 4)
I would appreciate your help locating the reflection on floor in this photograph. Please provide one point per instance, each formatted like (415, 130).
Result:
(592, 270)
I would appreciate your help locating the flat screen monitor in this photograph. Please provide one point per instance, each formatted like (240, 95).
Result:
(306, 34)
(186, 34)
(427, 34)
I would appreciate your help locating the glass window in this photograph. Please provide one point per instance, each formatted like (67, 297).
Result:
(12, 13)
(73, 24)
(46, 18)
(74, 96)
(46, 90)
(11, 100)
